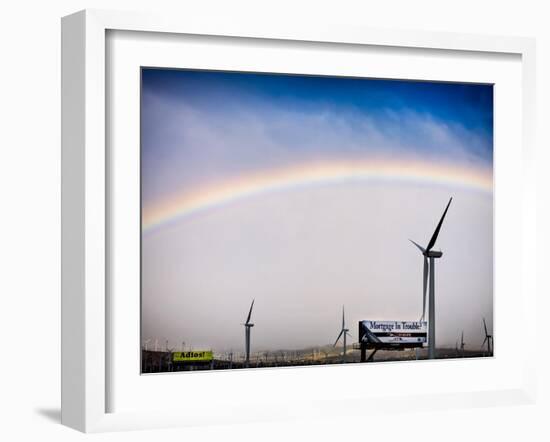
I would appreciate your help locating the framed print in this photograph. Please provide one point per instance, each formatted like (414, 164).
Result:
(250, 213)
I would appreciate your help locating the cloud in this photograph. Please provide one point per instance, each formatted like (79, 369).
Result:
(192, 146)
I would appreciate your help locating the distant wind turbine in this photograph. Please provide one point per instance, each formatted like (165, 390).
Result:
(248, 325)
(343, 333)
(169, 356)
(488, 338)
(429, 268)
(462, 343)
(146, 342)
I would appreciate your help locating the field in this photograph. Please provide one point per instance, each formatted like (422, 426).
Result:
(161, 361)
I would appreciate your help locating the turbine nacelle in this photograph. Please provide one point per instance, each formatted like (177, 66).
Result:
(428, 253)
(434, 254)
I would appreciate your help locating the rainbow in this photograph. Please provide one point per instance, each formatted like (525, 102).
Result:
(182, 204)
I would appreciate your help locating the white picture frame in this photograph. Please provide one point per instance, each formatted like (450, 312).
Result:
(86, 203)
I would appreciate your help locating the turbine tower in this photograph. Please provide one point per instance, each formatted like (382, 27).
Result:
(343, 333)
(429, 268)
(462, 343)
(488, 338)
(247, 326)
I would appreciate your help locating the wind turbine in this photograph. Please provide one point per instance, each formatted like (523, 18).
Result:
(429, 268)
(145, 343)
(248, 325)
(169, 357)
(343, 333)
(462, 343)
(488, 338)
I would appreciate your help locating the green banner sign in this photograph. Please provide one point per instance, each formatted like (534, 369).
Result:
(192, 356)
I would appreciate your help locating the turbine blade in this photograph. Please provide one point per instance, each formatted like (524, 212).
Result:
(484, 341)
(485, 327)
(343, 319)
(249, 313)
(338, 338)
(438, 228)
(425, 287)
(422, 249)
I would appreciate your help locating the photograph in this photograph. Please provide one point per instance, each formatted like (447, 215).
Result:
(292, 220)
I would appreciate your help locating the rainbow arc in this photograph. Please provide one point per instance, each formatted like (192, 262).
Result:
(185, 203)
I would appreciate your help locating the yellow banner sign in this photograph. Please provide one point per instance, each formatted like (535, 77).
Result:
(192, 356)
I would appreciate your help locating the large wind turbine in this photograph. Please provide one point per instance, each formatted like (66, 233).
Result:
(429, 268)
(488, 338)
(343, 333)
(247, 326)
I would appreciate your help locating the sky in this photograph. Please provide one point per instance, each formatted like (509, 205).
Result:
(302, 193)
